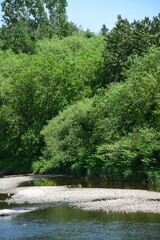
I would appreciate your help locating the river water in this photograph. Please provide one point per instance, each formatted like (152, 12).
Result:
(61, 222)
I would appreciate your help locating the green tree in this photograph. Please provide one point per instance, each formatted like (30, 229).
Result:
(57, 17)
(113, 135)
(17, 38)
(130, 147)
(22, 22)
(155, 30)
(34, 88)
(127, 40)
(27, 21)
(104, 30)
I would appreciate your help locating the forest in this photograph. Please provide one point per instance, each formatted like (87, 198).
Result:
(76, 102)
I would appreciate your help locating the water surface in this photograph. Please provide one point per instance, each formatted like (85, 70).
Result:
(65, 223)
(84, 183)
(61, 222)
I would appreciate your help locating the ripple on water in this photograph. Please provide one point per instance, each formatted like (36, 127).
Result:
(62, 222)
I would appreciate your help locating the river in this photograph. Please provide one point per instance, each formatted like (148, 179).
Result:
(61, 222)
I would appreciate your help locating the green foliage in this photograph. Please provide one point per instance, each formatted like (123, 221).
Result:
(134, 156)
(34, 88)
(25, 22)
(113, 135)
(104, 30)
(17, 38)
(79, 58)
(127, 40)
(91, 106)
(72, 130)
(57, 17)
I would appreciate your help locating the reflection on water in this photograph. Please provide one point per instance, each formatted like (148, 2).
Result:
(65, 223)
(4, 196)
(61, 222)
(79, 183)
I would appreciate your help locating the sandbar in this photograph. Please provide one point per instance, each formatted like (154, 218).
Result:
(91, 199)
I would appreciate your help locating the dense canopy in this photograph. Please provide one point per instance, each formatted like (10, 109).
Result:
(76, 102)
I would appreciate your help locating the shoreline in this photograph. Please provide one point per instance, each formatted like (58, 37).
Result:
(91, 199)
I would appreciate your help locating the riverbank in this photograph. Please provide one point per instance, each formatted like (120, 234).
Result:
(90, 199)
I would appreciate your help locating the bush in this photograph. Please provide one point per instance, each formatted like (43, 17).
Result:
(113, 135)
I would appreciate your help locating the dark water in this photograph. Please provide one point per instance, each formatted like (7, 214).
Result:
(79, 183)
(61, 222)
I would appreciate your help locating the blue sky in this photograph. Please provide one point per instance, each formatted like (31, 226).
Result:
(92, 14)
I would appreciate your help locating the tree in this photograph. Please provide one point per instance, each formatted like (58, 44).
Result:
(57, 16)
(18, 38)
(155, 30)
(22, 22)
(130, 149)
(104, 30)
(34, 88)
(125, 41)
(24, 10)
(113, 135)
(27, 21)
(117, 50)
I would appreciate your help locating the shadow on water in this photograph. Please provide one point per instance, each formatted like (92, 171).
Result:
(83, 183)
(3, 197)
(61, 222)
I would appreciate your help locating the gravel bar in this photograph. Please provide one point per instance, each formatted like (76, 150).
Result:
(90, 199)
